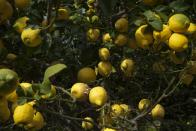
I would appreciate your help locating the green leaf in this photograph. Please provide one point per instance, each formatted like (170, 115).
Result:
(45, 87)
(179, 6)
(21, 100)
(153, 20)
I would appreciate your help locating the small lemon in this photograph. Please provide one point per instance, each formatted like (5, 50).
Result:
(127, 67)
(179, 23)
(144, 104)
(186, 78)
(121, 40)
(107, 38)
(93, 34)
(22, 4)
(20, 24)
(23, 114)
(144, 39)
(12, 97)
(158, 112)
(163, 35)
(80, 91)
(108, 129)
(11, 56)
(63, 14)
(178, 42)
(51, 94)
(104, 54)
(6, 12)
(31, 37)
(191, 29)
(27, 88)
(116, 110)
(158, 67)
(87, 125)
(104, 68)
(121, 25)
(86, 75)
(98, 96)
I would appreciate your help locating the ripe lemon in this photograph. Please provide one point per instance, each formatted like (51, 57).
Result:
(87, 125)
(80, 91)
(98, 96)
(6, 12)
(107, 38)
(4, 110)
(121, 25)
(23, 114)
(178, 42)
(191, 29)
(144, 104)
(31, 37)
(127, 67)
(93, 34)
(158, 67)
(86, 75)
(121, 40)
(158, 112)
(20, 24)
(27, 88)
(108, 129)
(104, 54)
(51, 94)
(8, 81)
(150, 2)
(63, 14)
(104, 68)
(37, 123)
(143, 38)
(22, 4)
(163, 35)
(179, 23)
(12, 97)
(126, 108)
(116, 110)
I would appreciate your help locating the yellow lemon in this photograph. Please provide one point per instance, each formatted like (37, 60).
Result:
(104, 54)
(163, 35)
(175, 59)
(158, 112)
(143, 38)
(37, 123)
(4, 110)
(8, 81)
(86, 75)
(121, 25)
(87, 125)
(150, 2)
(12, 97)
(22, 4)
(144, 104)
(98, 96)
(51, 94)
(20, 24)
(158, 67)
(6, 12)
(108, 129)
(179, 23)
(94, 19)
(31, 37)
(104, 68)
(121, 40)
(107, 38)
(63, 14)
(127, 67)
(27, 88)
(116, 110)
(80, 91)
(126, 108)
(93, 34)
(178, 42)
(23, 114)
(191, 29)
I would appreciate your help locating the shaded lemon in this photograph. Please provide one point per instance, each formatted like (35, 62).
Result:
(93, 34)
(143, 38)
(163, 35)
(144, 104)
(158, 112)
(104, 54)
(179, 23)
(8, 81)
(86, 75)
(186, 78)
(126, 108)
(12, 97)
(22, 4)
(80, 91)
(158, 67)
(178, 42)
(121, 25)
(31, 37)
(107, 38)
(11, 56)
(20, 24)
(121, 40)
(116, 110)
(87, 125)
(127, 67)
(6, 12)
(98, 96)
(63, 14)
(104, 68)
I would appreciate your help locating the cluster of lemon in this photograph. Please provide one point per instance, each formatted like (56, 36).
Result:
(23, 115)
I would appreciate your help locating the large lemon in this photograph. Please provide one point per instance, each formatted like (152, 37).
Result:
(179, 23)
(121, 25)
(20, 24)
(104, 54)
(127, 67)
(86, 75)
(87, 125)
(8, 81)
(98, 96)
(158, 112)
(163, 35)
(121, 39)
(80, 91)
(21, 4)
(178, 42)
(144, 104)
(31, 37)
(104, 68)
